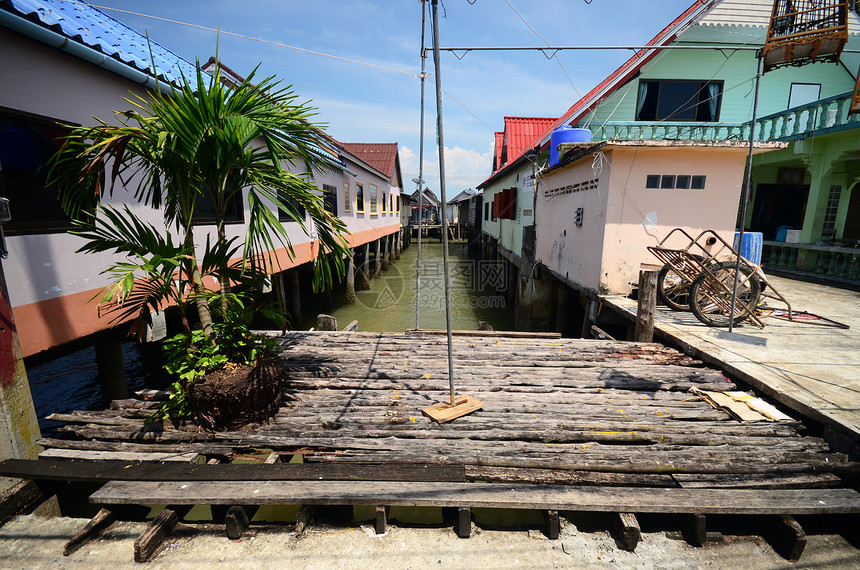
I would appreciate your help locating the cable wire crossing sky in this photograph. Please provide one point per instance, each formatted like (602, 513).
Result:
(359, 61)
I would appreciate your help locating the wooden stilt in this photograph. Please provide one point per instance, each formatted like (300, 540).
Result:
(628, 530)
(463, 522)
(694, 529)
(553, 524)
(303, 518)
(159, 529)
(381, 519)
(97, 525)
(786, 536)
(647, 305)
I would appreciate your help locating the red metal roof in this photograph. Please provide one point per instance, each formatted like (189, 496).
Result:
(618, 78)
(522, 132)
(376, 155)
(497, 156)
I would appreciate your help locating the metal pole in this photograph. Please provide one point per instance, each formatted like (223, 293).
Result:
(420, 179)
(746, 195)
(443, 200)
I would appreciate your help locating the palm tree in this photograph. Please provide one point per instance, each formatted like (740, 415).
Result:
(208, 139)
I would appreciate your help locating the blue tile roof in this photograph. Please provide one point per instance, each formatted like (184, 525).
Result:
(82, 23)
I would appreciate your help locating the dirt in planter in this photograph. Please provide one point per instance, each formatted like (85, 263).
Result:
(238, 394)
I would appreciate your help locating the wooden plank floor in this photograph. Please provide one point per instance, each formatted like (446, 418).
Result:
(580, 412)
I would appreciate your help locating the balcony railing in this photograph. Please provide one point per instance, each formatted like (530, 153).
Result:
(820, 117)
(827, 262)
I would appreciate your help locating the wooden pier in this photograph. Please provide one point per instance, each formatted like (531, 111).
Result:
(578, 424)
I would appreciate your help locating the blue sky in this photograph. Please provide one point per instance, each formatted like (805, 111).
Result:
(367, 104)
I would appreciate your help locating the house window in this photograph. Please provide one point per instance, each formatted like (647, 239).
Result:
(383, 199)
(675, 181)
(487, 212)
(294, 212)
(26, 145)
(359, 197)
(204, 209)
(347, 198)
(679, 101)
(829, 227)
(374, 199)
(398, 203)
(391, 203)
(330, 198)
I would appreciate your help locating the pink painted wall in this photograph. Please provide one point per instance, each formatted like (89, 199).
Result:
(622, 217)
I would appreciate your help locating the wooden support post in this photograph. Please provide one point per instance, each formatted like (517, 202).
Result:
(553, 524)
(159, 529)
(462, 518)
(20, 499)
(295, 297)
(694, 529)
(399, 245)
(386, 253)
(111, 370)
(326, 323)
(351, 327)
(303, 517)
(237, 520)
(350, 279)
(97, 525)
(786, 536)
(647, 306)
(381, 519)
(628, 530)
(362, 282)
(377, 259)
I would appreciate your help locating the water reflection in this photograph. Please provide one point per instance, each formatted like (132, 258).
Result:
(478, 293)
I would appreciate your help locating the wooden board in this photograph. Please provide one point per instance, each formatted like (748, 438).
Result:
(443, 412)
(90, 455)
(502, 496)
(55, 470)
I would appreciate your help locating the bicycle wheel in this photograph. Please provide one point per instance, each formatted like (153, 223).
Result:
(672, 289)
(711, 294)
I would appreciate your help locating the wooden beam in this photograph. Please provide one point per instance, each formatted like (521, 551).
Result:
(786, 536)
(694, 529)
(489, 495)
(94, 528)
(553, 524)
(351, 327)
(628, 530)
(159, 529)
(303, 518)
(463, 522)
(647, 306)
(494, 334)
(19, 499)
(381, 519)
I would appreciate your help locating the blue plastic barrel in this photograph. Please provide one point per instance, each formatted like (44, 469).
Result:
(751, 249)
(781, 231)
(565, 134)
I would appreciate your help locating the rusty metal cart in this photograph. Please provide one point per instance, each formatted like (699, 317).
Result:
(699, 275)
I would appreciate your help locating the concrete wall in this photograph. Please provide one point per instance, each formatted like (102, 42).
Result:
(50, 285)
(621, 217)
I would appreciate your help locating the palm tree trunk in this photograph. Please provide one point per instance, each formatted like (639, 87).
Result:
(222, 278)
(197, 285)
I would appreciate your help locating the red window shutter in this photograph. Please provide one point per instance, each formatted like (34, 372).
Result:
(497, 200)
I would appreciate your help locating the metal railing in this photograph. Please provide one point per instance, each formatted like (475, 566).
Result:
(832, 262)
(818, 118)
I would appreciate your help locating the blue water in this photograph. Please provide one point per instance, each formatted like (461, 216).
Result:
(71, 383)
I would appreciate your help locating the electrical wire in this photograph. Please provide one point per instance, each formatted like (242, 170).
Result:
(555, 55)
(245, 37)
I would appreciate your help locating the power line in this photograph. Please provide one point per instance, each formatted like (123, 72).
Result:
(561, 65)
(243, 36)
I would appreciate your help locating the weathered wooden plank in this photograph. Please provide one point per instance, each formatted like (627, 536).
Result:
(694, 528)
(490, 495)
(487, 333)
(786, 536)
(21, 498)
(159, 529)
(94, 528)
(54, 470)
(91, 455)
(628, 530)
